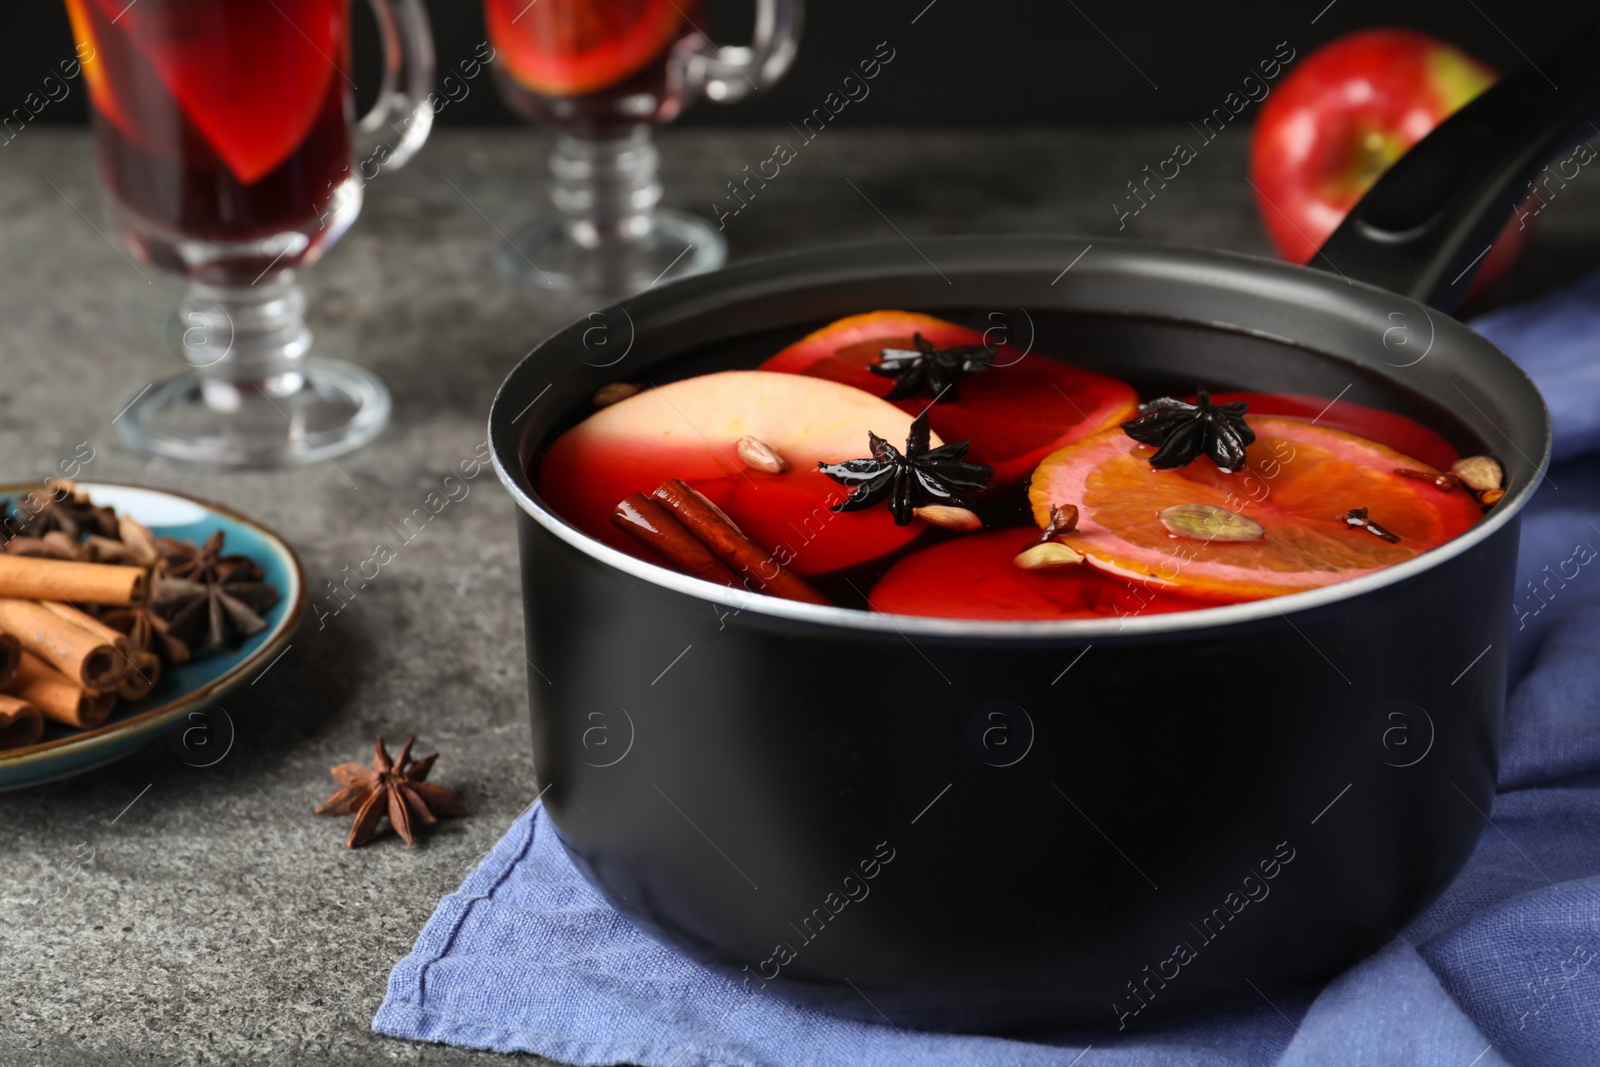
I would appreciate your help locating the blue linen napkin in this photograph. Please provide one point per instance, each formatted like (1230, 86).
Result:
(1503, 969)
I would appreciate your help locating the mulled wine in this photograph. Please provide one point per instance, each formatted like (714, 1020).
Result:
(592, 66)
(220, 121)
(900, 463)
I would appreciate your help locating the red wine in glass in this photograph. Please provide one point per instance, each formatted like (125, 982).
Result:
(601, 72)
(591, 65)
(221, 121)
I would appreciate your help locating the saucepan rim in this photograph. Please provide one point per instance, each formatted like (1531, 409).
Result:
(509, 467)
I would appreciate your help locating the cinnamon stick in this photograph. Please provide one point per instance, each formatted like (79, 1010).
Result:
(57, 696)
(712, 528)
(654, 527)
(33, 578)
(89, 624)
(21, 724)
(10, 656)
(85, 657)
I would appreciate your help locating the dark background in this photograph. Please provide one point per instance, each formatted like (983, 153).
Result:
(963, 62)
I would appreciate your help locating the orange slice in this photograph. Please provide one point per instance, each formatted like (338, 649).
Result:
(1300, 479)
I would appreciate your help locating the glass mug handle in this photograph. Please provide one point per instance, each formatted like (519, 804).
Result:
(407, 84)
(729, 73)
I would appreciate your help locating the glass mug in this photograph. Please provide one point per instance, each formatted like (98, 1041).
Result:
(227, 155)
(602, 71)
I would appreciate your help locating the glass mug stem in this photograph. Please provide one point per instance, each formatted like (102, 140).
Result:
(609, 238)
(606, 188)
(245, 340)
(251, 397)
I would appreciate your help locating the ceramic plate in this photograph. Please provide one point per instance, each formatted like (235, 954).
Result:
(192, 687)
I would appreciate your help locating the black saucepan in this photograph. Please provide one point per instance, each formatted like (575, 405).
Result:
(967, 824)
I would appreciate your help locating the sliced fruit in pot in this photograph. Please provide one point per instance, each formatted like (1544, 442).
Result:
(1299, 483)
(975, 578)
(692, 429)
(1384, 427)
(1015, 412)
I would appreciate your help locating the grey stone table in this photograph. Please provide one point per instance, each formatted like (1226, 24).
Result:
(219, 920)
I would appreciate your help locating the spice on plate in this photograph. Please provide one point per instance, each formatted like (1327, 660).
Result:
(92, 604)
(36, 578)
(1181, 432)
(66, 509)
(21, 723)
(210, 600)
(87, 658)
(915, 478)
(57, 696)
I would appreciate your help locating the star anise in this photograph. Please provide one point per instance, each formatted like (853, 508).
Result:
(209, 600)
(206, 563)
(395, 788)
(926, 367)
(54, 545)
(147, 630)
(212, 614)
(135, 546)
(918, 477)
(64, 509)
(1182, 431)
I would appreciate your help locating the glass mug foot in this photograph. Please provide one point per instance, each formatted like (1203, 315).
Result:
(252, 398)
(608, 239)
(322, 409)
(565, 256)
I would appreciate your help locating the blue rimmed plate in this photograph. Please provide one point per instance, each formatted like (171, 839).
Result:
(192, 687)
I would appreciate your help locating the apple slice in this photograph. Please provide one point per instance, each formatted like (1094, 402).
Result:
(1015, 413)
(974, 578)
(690, 430)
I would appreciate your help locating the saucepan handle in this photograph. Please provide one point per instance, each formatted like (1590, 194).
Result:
(1428, 224)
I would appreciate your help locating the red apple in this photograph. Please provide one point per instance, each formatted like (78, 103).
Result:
(1342, 117)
